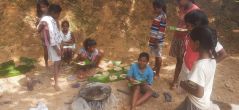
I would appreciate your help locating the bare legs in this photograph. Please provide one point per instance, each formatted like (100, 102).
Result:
(67, 55)
(45, 56)
(177, 72)
(99, 58)
(157, 66)
(139, 98)
(56, 71)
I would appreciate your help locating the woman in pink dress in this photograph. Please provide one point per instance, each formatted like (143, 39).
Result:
(177, 44)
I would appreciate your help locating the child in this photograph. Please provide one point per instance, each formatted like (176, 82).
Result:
(140, 76)
(90, 54)
(68, 43)
(177, 49)
(42, 9)
(194, 19)
(157, 33)
(51, 31)
(200, 81)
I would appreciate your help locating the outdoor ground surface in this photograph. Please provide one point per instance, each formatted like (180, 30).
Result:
(121, 29)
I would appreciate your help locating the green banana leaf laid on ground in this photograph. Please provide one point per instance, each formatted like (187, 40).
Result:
(9, 68)
(115, 73)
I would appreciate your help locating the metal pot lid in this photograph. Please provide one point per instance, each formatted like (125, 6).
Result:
(95, 92)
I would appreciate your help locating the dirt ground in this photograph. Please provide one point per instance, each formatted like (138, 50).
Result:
(121, 29)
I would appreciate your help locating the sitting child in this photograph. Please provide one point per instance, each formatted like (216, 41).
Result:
(68, 43)
(140, 77)
(90, 56)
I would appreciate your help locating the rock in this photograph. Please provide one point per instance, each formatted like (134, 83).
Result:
(80, 104)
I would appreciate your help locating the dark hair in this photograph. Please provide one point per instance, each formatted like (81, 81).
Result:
(65, 22)
(89, 42)
(39, 2)
(193, 1)
(196, 18)
(54, 8)
(207, 38)
(160, 4)
(144, 54)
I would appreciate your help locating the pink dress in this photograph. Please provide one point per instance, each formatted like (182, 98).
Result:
(177, 45)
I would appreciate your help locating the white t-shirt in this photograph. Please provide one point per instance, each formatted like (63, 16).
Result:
(185, 71)
(203, 74)
(218, 47)
(55, 36)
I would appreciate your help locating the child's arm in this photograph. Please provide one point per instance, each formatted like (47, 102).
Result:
(71, 41)
(192, 88)
(150, 77)
(222, 54)
(58, 51)
(41, 26)
(81, 57)
(130, 75)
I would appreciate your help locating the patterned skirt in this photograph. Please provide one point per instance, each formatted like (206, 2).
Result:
(177, 48)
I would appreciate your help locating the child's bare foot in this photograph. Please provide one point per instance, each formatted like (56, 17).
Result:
(57, 88)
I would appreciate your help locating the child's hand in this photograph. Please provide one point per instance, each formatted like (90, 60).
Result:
(59, 53)
(135, 81)
(183, 84)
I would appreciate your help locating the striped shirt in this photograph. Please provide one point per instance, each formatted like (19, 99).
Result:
(158, 30)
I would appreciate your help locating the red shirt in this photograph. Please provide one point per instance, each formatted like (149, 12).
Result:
(189, 56)
(181, 23)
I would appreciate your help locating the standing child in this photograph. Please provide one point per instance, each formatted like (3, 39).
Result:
(68, 43)
(140, 76)
(177, 44)
(200, 81)
(89, 53)
(157, 34)
(194, 19)
(51, 31)
(42, 9)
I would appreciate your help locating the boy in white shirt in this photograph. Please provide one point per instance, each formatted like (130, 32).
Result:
(49, 27)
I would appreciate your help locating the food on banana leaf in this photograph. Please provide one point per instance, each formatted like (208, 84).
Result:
(83, 63)
(99, 78)
(138, 82)
(117, 68)
(113, 77)
(106, 73)
(123, 76)
(97, 75)
(116, 63)
(127, 67)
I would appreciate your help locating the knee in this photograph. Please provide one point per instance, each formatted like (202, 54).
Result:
(136, 88)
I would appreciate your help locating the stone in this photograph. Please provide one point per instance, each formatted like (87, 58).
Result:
(80, 104)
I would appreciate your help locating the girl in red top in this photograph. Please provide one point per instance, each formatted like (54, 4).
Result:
(177, 44)
(194, 19)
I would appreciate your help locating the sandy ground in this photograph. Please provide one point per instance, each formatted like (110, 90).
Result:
(121, 29)
(225, 90)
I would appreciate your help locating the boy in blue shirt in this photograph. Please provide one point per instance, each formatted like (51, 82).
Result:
(140, 77)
